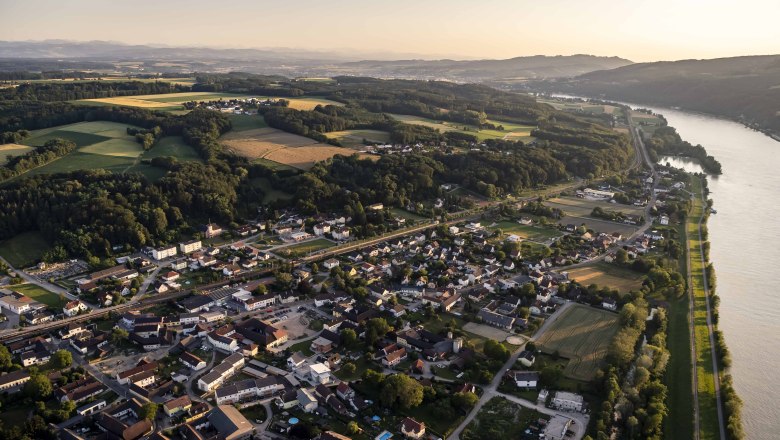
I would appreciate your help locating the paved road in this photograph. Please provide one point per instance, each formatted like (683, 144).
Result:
(710, 326)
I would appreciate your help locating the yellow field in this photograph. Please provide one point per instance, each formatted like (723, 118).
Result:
(174, 100)
(281, 147)
(581, 334)
(12, 150)
(128, 101)
(607, 275)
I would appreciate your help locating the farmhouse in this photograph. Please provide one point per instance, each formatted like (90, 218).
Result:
(496, 319)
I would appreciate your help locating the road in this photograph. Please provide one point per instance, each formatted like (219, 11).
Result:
(710, 327)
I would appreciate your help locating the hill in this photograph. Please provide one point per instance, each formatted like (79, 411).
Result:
(741, 88)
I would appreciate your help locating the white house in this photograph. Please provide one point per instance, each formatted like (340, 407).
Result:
(330, 263)
(664, 220)
(340, 233)
(319, 374)
(306, 400)
(525, 379)
(164, 252)
(191, 246)
(321, 229)
(73, 308)
(609, 304)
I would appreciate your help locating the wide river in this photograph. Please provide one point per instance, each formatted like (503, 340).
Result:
(745, 248)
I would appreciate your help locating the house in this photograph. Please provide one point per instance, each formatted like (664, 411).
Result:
(524, 379)
(394, 358)
(263, 334)
(567, 401)
(321, 345)
(306, 400)
(212, 230)
(34, 358)
(164, 252)
(496, 319)
(411, 428)
(191, 246)
(73, 308)
(319, 374)
(341, 233)
(527, 358)
(321, 229)
(296, 360)
(664, 220)
(249, 389)
(221, 372)
(229, 423)
(609, 304)
(192, 362)
(177, 405)
(330, 263)
(13, 381)
(16, 302)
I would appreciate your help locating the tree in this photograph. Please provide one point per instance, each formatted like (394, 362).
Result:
(119, 335)
(550, 375)
(38, 386)
(496, 350)
(375, 329)
(402, 391)
(261, 289)
(353, 428)
(348, 338)
(464, 401)
(349, 369)
(284, 280)
(621, 256)
(5, 357)
(61, 359)
(149, 411)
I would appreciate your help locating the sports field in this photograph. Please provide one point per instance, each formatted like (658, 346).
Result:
(302, 249)
(354, 138)
(599, 225)
(39, 294)
(12, 150)
(174, 101)
(281, 147)
(607, 275)
(581, 334)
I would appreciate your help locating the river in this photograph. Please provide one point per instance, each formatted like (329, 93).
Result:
(745, 249)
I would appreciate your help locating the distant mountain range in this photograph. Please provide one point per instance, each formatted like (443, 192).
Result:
(742, 88)
(294, 62)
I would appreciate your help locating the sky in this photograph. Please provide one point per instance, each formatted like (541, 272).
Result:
(635, 29)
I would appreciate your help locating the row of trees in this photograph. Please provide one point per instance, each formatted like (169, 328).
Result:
(50, 151)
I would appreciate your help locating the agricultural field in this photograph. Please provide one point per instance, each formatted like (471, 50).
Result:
(246, 122)
(528, 232)
(354, 138)
(581, 334)
(23, 250)
(180, 81)
(172, 146)
(174, 101)
(583, 207)
(100, 145)
(583, 107)
(607, 275)
(512, 131)
(281, 147)
(12, 150)
(598, 225)
(308, 247)
(39, 294)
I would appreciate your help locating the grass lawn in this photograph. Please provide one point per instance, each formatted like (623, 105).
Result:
(269, 193)
(81, 139)
(301, 249)
(361, 365)
(41, 295)
(402, 213)
(708, 411)
(253, 413)
(534, 251)
(582, 334)
(303, 346)
(608, 275)
(511, 130)
(14, 415)
(23, 249)
(172, 146)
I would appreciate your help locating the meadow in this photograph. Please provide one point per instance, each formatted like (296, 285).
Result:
(39, 294)
(581, 334)
(525, 231)
(302, 249)
(607, 275)
(512, 131)
(23, 250)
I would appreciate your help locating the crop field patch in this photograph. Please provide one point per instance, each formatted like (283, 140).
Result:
(12, 150)
(582, 335)
(281, 147)
(354, 138)
(583, 207)
(115, 147)
(174, 101)
(79, 138)
(172, 146)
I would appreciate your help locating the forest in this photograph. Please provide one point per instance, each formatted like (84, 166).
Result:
(667, 142)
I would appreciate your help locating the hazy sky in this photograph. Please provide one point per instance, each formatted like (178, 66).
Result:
(635, 29)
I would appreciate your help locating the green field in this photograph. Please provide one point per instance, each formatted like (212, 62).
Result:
(247, 122)
(12, 150)
(41, 295)
(354, 138)
(607, 275)
(410, 216)
(708, 410)
(525, 231)
(101, 145)
(268, 192)
(172, 146)
(598, 225)
(583, 207)
(23, 249)
(581, 334)
(301, 249)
